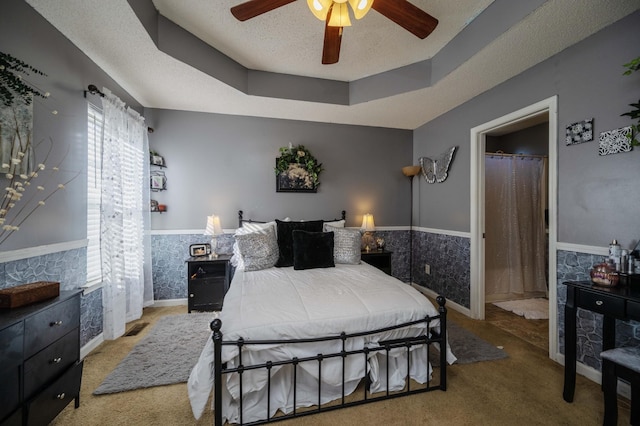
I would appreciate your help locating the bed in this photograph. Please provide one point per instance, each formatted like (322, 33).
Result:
(291, 337)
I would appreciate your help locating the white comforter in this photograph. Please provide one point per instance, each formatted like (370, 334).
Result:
(281, 303)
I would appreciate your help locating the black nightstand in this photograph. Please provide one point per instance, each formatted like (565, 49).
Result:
(381, 259)
(208, 281)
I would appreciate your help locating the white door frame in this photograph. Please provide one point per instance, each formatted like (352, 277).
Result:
(478, 143)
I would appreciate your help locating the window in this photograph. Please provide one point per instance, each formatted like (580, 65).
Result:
(94, 177)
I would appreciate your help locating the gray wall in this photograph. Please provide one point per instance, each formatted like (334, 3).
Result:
(222, 163)
(26, 35)
(597, 196)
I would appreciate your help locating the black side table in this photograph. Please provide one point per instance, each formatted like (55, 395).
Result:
(381, 259)
(208, 280)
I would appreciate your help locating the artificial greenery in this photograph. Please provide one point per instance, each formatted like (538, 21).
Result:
(12, 82)
(300, 155)
(634, 114)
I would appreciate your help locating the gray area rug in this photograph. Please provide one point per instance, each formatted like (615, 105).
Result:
(168, 353)
(164, 356)
(469, 348)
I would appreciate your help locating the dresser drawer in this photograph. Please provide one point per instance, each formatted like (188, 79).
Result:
(11, 346)
(46, 327)
(46, 406)
(50, 362)
(9, 390)
(14, 419)
(603, 304)
(633, 309)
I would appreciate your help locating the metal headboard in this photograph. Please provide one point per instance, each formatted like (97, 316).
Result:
(241, 220)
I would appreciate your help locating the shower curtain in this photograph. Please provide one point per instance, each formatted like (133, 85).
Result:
(515, 230)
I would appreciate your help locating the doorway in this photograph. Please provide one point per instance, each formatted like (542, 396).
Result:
(543, 111)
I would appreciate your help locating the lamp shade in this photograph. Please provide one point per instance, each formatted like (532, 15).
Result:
(339, 15)
(213, 226)
(320, 8)
(367, 223)
(411, 171)
(360, 7)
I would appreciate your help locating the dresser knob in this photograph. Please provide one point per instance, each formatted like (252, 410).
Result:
(60, 395)
(56, 360)
(599, 302)
(56, 323)
(191, 295)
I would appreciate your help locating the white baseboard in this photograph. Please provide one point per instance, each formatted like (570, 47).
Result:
(595, 376)
(168, 302)
(450, 304)
(91, 345)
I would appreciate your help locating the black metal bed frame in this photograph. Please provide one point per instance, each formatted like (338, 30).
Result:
(221, 369)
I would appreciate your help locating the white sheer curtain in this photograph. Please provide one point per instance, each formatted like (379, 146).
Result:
(123, 211)
(515, 243)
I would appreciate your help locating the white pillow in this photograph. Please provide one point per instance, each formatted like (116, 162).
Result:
(335, 224)
(259, 250)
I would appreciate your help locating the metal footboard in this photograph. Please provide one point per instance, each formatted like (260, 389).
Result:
(384, 347)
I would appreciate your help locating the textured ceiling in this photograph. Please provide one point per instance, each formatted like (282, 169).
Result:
(289, 41)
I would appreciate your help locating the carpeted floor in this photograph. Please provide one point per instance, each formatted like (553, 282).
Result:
(525, 389)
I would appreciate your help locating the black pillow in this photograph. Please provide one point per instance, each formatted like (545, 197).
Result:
(312, 250)
(285, 238)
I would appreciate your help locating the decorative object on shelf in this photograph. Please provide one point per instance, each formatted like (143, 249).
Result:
(411, 172)
(297, 170)
(156, 159)
(615, 141)
(213, 228)
(162, 208)
(158, 181)
(196, 250)
(605, 275)
(579, 132)
(380, 243)
(437, 170)
(154, 206)
(634, 114)
(367, 228)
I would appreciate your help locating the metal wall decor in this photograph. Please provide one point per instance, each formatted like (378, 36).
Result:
(615, 141)
(579, 132)
(436, 170)
(297, 170)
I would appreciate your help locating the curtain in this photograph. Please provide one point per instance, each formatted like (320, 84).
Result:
(122, 215)
(515, 231)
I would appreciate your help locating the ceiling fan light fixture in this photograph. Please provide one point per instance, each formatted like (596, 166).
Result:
(339, 15)
(360, 7)
(320, 8)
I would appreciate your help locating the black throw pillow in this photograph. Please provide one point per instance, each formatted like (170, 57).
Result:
(285, 238)
(312, 250)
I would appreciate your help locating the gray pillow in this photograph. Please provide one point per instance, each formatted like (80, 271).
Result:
(346, 245)
(259, 250)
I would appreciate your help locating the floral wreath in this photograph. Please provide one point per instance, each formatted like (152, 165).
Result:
(300, 155)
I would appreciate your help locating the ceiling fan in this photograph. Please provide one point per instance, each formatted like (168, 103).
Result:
(335, 13)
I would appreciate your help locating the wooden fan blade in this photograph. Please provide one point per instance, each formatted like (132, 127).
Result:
(253, 8)
(408, 16)
(332, 41)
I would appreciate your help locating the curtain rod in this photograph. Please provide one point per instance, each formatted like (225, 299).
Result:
(504, 154)
(92, 89)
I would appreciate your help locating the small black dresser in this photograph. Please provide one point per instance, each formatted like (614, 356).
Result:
(208, 281)
(40, 366)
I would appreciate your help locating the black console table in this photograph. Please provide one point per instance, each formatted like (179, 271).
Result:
(620, 302)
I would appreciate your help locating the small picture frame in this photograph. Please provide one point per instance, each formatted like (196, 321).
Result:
(157, 160)
(158, 182)
(196, 250)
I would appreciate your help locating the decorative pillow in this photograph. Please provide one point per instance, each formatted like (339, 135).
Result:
(346, 245)
(248, 228)
(335, 224)
(312, 250)
(259, 250)
(285, 238)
